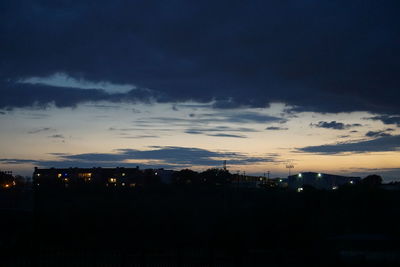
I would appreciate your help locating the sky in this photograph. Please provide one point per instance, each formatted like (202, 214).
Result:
(189, 84)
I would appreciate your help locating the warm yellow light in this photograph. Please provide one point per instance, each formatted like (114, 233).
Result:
(6, 185)
(85, 175)
(132, 185)
(66, 180)
(112, 180)
(59, 175)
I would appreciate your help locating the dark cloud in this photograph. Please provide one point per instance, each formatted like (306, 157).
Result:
(275, 128)
(323, 56)
(387, 119)
(171, 157)
(217, 117)
(334, 125)
(227, 135)
(379, 133)
(41, 96)
(380, 144)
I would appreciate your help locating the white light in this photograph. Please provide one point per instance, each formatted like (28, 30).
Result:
(351, 182)
(300, 189)
(334, 187)
(300, 175)
(319, 175)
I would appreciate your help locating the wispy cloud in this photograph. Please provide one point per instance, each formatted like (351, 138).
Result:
(380, 144)
(276, 128)
(40, 130)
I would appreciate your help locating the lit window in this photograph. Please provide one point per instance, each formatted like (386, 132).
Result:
(85, 175)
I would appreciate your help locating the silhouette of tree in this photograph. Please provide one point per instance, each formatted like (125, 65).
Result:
(373, 180)
(215, 176)
(186, 176)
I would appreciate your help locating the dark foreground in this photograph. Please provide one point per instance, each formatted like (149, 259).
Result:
(173, 226)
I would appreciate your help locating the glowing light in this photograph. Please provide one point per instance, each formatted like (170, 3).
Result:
(300, 189)
(300, 175)
(59, 175)
(123, 174)
(112, 180)
(85, 175)
(319, 175)
(66, 180)
(351, 182)
(123, 184)
(280, 180)
(38, 174)
(334, 187)
(6, 185)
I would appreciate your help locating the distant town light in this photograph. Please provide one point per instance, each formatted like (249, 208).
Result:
(300, 189)
(112, 180)
(38, 174)
(351, 182)
(261, 178)
(59, 175)
(123, 174)
(319, 175)
(280, 180)
(334, 187)
(300, 175)
(123, 184)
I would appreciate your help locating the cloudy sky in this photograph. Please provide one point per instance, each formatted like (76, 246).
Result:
(180, 84)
